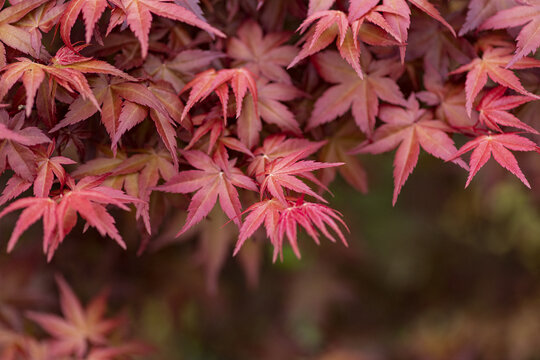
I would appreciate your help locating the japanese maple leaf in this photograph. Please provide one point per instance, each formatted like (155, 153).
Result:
(210, 124)
(449, 99)
(497, 145)
(213, 177)
(336, 150)
(14, 36)
(39, 20)
(491, 65)
(179, 70)
(410, 129)
(278, 146)
(137, 175)
(124, 105)
(437, 48)
(493, 110)
(281, 174)
(282, 219)
(400, 6)
(48, 167)
(138, 15)
(261, 54)
(88, 197)
(528, 15)
(66, 69)
(331, 24)
(91, 11)
(360, 95)
(398, 16)
(34, 208)
(15, 186)
(393, 17)
(270, 109)
(241, 80)
(78, 327)
(480, 10)
(14, 143)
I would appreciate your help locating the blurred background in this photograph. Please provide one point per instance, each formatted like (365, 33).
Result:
(446, 274)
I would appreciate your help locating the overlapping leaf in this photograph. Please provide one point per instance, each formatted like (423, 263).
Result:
(14, 36)
(493, 109)
(214, 177)
(261, 54)
(240, 80)
(360, 95)
(125, 104)
(526, 14)
(410, 129)
(14, 145)
(492, 64)
(138, 15)
(499, 147)
(88, 198)
(281, 219)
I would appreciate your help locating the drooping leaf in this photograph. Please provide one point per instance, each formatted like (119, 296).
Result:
(493, 109)
(360, 95)
(281, 175)
(240, 80)
(91, 11)
(138, 15)
(262, 55)
(492, 64)
(410, 129)
(282, 219)
(88, 198)
(14, 145)
(528, 15)
(214, 177)
(499, 146)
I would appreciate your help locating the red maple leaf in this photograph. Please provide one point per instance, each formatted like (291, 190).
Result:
(351, 92)
(280, 174)
(497, 145)
(492, 64)
(409, 129)
(79, 326)
(480, 10)
(88, 197)
(49, 166)
(138, 15)
(91, 10)
(14, 143)
(493, 110)
(215, 177)
(241, 80)
(14, 36)
(281, 219)
(278, 146)
(137, 175)
(124, 104)
(526, 14)
(261, 54)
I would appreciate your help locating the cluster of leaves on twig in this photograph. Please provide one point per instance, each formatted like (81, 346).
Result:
(136, 102)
